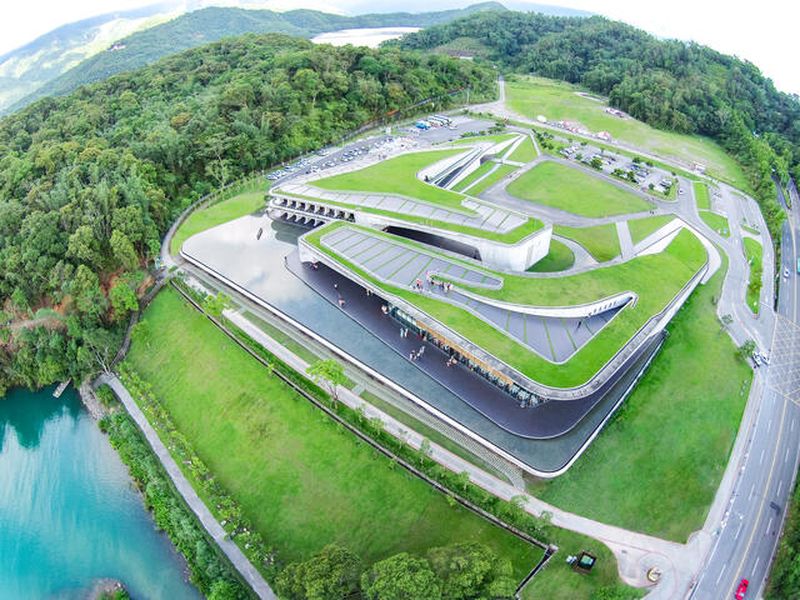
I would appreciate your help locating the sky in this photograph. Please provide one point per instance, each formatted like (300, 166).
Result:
(762, 32)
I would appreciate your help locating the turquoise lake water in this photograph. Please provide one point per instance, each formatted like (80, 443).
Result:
(69, 513)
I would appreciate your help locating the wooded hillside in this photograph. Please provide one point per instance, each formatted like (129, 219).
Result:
(89, 182)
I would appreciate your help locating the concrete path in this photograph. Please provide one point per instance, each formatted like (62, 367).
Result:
(632, 549)
(625, 241)
(240, 562)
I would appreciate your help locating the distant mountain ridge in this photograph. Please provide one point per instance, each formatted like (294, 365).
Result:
(214, 23)
(25, 69)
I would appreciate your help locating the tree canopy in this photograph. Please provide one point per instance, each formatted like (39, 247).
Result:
(89, 182)
(670, 84)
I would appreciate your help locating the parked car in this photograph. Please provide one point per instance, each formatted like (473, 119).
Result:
(742, 589)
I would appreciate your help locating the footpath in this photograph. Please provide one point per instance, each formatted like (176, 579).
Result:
(237, 558)
(633, 550)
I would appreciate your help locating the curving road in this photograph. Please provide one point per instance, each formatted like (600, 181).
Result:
(749, 533)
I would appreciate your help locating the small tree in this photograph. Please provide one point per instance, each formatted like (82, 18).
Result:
(746, 349)
(725, 321)
(401, 577)
(215, 305)
(331, 574)
(329, 373)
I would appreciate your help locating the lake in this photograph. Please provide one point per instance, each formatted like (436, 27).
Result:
(69, 514)
(370, 37)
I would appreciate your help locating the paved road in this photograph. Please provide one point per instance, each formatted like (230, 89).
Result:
(753, 480)
(752, 524)
(240, 562)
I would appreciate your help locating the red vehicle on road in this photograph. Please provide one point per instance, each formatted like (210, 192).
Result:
(742, 589)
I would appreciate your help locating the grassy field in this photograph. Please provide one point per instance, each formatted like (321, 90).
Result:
(501, 172)
(216, 214)
(474, 176)
(641, 228)
(557, 581)
(397, 175)
(601, 241)
(299, 478)
(525, 152)
(570, 189)
(754, 252)
(559, 258)
(657, 465)
(510, 237)
(656, 278)
(717, 222)
(701, 195)
(558, 101)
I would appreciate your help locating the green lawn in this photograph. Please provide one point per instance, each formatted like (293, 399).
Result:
(525, 152)
(601, 241)
(495, 139)
(216, 214)
(397, 175)
(303, 481)
(500, 173)
(641, 228)
(571, 189)
(656, 467)
(717, 222)
(557, 581)
(474, 176)
(754, 252)
(559, 258)
(655, 278)
(752, 230)
(510, 237)
(530, 96)
(701, 195)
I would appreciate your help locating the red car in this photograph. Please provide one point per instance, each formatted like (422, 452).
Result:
(742, 589)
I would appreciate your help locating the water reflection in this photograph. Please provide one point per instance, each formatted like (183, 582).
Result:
(69, 514)
(28, 419)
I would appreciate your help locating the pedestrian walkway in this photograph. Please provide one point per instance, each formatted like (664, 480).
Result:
(237, 558)
(555, 338)
(625, 241)
(633, 550)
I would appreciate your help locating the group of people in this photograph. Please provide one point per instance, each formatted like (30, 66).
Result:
(415, 355)
(418, 287)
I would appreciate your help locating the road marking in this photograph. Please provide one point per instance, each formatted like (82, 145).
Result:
(761, 460)
(786, 456)
(752, 491)
(755, 566)
(769, 525)
(780, 485)
(738, 531)
(721, 573)
(769, 425)
(792, 427)
(760, 510)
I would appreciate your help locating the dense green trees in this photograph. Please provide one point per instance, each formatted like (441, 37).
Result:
(89, 182)
(461, 571)
(669, 84)
(209, 571)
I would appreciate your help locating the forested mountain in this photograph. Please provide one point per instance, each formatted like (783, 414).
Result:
(669, 84)
(25, 69)
(212, 24)
(90, 181)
